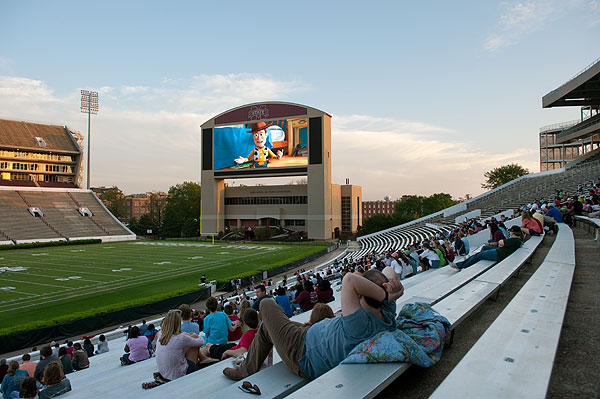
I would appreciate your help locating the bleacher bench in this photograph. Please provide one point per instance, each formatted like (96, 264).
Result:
(515, 355)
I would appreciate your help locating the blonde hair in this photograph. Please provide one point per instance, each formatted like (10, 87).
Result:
(53, 374)
(170, 326)
(243, 306)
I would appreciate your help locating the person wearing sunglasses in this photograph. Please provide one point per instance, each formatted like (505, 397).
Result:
(368, 307)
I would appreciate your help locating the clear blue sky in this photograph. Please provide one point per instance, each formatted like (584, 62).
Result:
(424, 97)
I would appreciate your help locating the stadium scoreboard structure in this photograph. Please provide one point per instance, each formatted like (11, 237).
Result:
(272, 139)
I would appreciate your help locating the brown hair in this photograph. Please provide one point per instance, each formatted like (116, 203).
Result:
(186, 311)
(320, 311)
(29, 388)
(251, 318)
(53, 374)
(212, 304)
(12, 367)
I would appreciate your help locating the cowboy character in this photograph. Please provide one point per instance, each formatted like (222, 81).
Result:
(260, 154)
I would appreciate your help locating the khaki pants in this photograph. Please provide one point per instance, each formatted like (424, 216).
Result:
(276, 329)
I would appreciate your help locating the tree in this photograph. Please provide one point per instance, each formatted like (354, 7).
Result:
(502, 175)
(182, 211)
(416, 206)
(115, 201)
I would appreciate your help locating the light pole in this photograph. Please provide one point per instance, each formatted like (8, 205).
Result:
(89, 105)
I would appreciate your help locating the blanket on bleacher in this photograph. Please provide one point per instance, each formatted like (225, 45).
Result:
(419, 339)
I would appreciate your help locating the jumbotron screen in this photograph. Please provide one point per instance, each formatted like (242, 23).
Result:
(263, 144)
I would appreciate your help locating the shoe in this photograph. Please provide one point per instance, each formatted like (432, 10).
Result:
(453, 265)
(234, 374)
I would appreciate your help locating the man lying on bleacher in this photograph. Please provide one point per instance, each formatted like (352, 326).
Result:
(495, 251)
(368, 307)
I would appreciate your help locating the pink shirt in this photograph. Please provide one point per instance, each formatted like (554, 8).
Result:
(138, 348)
(29, 367)
(532, 224)
(170, 358)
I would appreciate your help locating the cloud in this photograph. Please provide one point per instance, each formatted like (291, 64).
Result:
(521, 18)
(144, 137)
(402, 160)
(148, 138)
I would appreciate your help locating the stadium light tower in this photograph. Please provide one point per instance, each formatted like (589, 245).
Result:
(89, 105)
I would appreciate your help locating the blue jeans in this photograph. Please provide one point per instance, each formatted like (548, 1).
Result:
(489, 254)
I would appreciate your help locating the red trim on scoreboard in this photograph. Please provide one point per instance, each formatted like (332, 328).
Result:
(260, 112)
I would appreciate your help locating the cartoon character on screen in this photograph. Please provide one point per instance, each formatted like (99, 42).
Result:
(260, 154)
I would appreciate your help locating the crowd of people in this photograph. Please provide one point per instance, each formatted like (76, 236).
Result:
(247, 326)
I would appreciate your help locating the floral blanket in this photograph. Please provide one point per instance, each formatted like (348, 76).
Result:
(419, 339)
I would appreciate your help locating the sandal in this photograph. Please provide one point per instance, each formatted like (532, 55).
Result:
(249, 388)
(150, 385)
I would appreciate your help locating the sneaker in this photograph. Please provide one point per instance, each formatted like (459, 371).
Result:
(453, 265)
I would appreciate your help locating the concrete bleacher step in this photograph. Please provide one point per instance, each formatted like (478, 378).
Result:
(515, 355)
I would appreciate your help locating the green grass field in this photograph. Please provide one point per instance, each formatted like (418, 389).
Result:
(57, 282)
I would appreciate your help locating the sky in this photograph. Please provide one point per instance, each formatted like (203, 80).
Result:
(424, 97)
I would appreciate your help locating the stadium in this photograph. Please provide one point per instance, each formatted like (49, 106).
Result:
(76, 270)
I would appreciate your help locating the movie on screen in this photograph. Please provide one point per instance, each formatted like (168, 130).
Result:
(262, 144)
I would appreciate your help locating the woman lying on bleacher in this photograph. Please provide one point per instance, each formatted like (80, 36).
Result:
(176, 352)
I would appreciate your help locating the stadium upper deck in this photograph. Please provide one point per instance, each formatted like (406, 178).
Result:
(34, 153)
(582, 90)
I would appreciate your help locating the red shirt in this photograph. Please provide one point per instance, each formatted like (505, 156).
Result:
(246, 340)
(234, 335)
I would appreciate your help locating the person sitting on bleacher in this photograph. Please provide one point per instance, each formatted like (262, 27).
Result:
(29, 389)
(47, 357)
(80, 358)
(12, 380)
(368, 307)
(308, 297)
(55, 381)
(495, 251)
(284, 301)
(103, 344)
(136, 347)
(187, 325)
(429, 258)
(459, 245)
(176, 352)
(324, 291)
(530, 226)
(66, 360)
(220, 352)
(261, 293)
(217, 325)
(27, 364)
(237, 333)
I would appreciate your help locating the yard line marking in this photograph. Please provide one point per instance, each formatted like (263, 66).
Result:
(31, 282)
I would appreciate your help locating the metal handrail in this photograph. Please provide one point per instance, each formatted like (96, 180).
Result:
(561, 125)
(576, 75)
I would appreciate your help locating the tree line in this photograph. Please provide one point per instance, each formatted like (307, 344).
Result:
(176, 215)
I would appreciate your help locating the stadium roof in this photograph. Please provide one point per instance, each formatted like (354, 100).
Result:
(36, 137)
(581, 90)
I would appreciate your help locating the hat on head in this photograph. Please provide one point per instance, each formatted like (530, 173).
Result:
(257, 127)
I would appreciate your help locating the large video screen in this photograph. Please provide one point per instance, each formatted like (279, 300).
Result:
(264, 144)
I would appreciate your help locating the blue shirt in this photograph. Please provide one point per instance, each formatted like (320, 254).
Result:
(190, 327)
(12, 383)
(284, 302)
(466, 242)
(329, 341)
(555, 213)
(216, 327)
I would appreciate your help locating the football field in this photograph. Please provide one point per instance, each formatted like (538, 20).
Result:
(44, 285)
